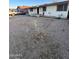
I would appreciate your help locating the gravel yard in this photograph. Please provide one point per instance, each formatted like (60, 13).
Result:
(38, 38)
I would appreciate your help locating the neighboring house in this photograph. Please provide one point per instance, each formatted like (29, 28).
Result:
(57, 9)
(23, 9)
(12, 10)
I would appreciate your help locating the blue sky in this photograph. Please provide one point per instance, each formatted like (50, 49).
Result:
(15, 3)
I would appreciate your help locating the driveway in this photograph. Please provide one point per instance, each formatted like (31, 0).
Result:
(38, 38)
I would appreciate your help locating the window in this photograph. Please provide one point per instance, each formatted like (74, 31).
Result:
(31, 9)
(65, 7)
(62, 7)
(44, 8)
(59, 7)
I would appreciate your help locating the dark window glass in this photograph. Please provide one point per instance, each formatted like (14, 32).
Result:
(44, 8)
(31, 9)
(62, 7)
(65, 7)
(59, 7)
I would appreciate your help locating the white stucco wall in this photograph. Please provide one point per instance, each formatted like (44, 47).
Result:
(41, 10)
(52, 11)
(51, 8)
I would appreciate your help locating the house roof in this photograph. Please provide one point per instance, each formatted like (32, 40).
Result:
(23, 7)
(56, 3)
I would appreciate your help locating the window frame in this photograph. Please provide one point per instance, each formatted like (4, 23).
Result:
(62, 8)
(44, 8)
(65, 6)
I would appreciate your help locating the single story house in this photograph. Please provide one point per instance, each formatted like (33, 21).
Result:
(23, 9)
(57, 9)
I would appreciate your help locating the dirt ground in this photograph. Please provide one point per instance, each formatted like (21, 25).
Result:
(38, 38)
